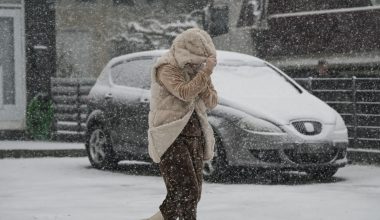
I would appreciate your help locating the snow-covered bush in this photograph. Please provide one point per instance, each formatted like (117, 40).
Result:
(39, 117)
(153, 33)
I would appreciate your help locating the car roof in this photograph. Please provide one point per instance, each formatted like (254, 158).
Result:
(221, 55)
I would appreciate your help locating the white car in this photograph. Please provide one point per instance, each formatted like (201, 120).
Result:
(264, 119)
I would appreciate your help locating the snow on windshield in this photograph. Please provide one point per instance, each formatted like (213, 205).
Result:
(254, 81)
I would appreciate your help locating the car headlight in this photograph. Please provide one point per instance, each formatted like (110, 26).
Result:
(340, 125)
(256, 125)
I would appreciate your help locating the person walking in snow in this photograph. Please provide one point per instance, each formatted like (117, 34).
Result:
(180, 137)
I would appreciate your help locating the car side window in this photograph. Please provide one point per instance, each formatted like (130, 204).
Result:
(133, 73)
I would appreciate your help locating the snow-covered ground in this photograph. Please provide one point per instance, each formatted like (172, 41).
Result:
(68, 188)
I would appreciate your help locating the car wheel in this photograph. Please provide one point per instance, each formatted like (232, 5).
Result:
(322, 173)
(216, 169)
(99, 149)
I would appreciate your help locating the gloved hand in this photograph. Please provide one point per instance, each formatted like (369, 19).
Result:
(210, 65)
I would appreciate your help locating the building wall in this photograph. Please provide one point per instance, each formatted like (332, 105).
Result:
(344, 33)
(296, 36)
(86, 29)
(33, 52)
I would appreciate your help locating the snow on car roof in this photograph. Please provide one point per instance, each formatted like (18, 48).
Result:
(226, 57)
(221, 55)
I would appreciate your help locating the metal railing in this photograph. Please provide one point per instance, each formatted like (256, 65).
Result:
(357, 100)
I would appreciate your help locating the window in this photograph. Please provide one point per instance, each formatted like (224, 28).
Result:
(133, 73)
(124, 2)
(219, 19)
(251, 13)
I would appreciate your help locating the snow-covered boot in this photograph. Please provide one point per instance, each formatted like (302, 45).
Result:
(157, 216)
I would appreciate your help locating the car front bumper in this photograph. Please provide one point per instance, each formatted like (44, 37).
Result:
(282, 150)
(295, 156)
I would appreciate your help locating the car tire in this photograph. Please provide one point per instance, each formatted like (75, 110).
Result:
(322, 173)
(99, 148)
(216, 169)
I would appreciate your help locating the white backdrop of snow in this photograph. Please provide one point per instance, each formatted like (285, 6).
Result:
(67, 188)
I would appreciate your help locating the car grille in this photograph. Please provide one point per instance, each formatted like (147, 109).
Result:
(308, 127)
(269, 156)
(311, 158)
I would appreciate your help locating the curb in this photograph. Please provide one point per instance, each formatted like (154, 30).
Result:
(24, 153)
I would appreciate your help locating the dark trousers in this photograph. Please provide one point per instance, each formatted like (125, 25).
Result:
(181, 167)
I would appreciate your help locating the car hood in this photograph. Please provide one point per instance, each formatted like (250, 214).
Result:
(282, 110)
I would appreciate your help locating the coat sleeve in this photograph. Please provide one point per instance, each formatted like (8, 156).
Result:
(209, 95)
(174, 81)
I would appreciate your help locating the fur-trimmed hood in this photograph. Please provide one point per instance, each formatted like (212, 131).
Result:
(191, 46)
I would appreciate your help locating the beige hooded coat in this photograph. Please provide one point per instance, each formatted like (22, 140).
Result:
(176, 95)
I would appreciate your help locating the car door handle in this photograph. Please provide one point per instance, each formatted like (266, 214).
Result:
(108, 96)
(144, 100)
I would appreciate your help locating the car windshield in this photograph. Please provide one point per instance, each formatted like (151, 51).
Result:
(234, 80)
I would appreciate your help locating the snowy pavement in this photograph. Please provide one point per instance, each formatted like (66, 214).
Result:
(68, 188)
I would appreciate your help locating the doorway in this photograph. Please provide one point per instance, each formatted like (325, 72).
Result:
(12, 70)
